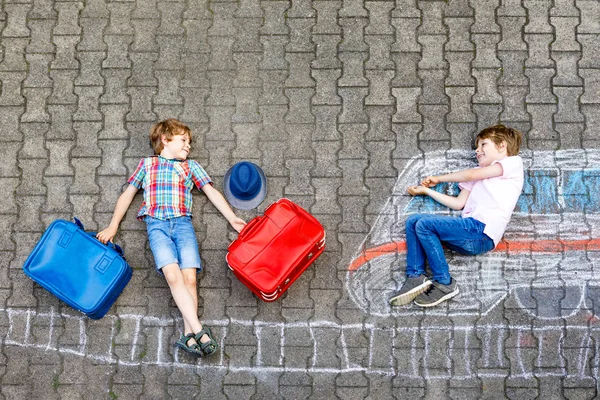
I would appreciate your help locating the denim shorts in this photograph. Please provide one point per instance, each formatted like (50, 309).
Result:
(173, 241)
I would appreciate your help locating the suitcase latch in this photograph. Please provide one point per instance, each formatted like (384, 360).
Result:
(286, 281)
(310, 255)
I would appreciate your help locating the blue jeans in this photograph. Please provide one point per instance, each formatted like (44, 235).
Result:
(173, 241)
(425, 234)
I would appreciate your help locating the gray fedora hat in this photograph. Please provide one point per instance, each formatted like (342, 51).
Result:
(245, 185)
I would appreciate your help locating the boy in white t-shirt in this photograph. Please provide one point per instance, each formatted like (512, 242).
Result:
(487, 199)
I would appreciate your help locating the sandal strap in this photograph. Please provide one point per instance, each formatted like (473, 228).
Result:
(205, 331)
(187, 338)
(207, 347)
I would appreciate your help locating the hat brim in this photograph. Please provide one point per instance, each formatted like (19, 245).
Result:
(245, 204)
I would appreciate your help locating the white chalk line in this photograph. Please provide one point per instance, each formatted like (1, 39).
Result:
(347, 363)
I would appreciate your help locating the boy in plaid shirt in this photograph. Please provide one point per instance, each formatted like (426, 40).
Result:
(168, 178)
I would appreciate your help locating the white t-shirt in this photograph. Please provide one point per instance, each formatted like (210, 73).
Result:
(492, 200)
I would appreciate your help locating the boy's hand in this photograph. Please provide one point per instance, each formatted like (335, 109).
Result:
(238, 224)
(417, 190)
(106, 235)
(430, 181)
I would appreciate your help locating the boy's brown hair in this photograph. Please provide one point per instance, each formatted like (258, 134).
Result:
(169, 127)
(500, 133)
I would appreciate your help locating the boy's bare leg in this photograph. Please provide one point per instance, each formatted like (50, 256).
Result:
(189, 279)
(187, 305)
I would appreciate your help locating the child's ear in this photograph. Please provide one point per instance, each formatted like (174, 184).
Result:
(503, 146)
(163, 139)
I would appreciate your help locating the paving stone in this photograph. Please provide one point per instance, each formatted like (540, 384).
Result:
(433, 87)
(352, 71)
(326, 89)
(91, 63)
(406, 69)
(541, 115)
(589, 13)
(115, 92)
(144, 38)
(36, 105)
(406, 38)
(431, 14)
(65, 52)
(352, 111)
(16, 20)
(540, 91)
(273, 56)
(485, 21)
(11, 88)
(458, 35)
(327, 13)
(353, 8)
(458, 8)
(514, 104)
(299, 105)
(326, 52)
(63, 91)
(91, 38)
(61, 125)
(459, 73)
(141, 98)
(300, 32)
(432, 52)
(353, 38)
(119, 16)
(538, 17)
(88, 107)
(513, 65)
(539, 50)
(67, 18)
(41, 10)
(565, 28)
(117, 55)
(589, 51)
(568, 104)
(485, 45)
(460, 104)
(41, 36)
(38, 71)
(486, 91)
(379, 18)
(512, 38)
(300, 75)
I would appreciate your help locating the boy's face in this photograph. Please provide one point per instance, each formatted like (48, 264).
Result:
(176, 148)
(487, 152)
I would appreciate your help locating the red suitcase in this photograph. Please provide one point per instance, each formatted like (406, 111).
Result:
(273, 250)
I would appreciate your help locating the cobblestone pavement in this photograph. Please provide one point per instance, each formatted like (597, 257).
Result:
(343, 103)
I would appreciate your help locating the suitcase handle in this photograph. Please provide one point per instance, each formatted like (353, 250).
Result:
(115, 246)
(249, 226)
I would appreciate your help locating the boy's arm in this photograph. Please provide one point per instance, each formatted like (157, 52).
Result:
(125, 199)
(466, 175)
(455, 203)
(221, 204)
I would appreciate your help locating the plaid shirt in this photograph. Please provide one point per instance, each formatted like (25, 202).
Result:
(167, 186)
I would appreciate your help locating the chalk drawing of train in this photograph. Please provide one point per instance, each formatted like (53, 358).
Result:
(550, 247)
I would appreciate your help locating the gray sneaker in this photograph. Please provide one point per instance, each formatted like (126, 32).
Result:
(437, 293)
(411, 288)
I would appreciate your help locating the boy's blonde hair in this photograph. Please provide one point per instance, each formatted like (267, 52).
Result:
(169, 127)
(500, 133)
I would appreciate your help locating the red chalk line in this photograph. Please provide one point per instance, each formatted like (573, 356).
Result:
(538, 246)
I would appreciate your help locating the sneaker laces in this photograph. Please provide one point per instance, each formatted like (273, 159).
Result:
(429, 289)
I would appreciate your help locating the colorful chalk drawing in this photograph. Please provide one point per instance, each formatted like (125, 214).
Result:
(139, 340)
(551, 243)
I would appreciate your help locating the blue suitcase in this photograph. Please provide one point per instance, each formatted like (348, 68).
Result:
(77, 268)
